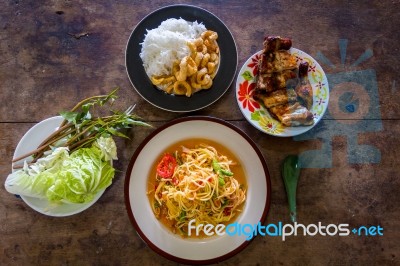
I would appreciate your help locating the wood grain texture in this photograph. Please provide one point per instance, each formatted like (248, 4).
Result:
(54, 53)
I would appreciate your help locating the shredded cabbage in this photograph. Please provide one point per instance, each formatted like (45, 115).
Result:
(60, 176)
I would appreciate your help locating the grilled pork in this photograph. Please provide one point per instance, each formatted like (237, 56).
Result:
(275, 81)
(283, 87)
(292, 115)
(303, 89)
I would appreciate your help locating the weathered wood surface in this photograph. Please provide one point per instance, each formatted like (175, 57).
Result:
(54, 53)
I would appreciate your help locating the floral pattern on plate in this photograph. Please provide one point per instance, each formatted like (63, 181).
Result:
(259, 116)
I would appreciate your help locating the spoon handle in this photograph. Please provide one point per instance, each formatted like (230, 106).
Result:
(290, 175)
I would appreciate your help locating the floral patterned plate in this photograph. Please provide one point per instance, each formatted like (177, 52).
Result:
(259, 116)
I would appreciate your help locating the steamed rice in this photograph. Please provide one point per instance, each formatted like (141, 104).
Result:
(167, 43)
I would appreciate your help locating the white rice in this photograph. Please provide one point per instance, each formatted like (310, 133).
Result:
(167, 43)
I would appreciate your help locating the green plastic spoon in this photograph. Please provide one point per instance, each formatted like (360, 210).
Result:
(290, 175)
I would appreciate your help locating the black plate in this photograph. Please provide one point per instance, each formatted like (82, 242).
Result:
(201, 99)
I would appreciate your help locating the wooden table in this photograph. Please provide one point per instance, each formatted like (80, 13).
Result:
(54, 53)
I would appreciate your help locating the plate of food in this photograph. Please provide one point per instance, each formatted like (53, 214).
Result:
(29, 142)
(193, 185)
(181, 58)
(63, 164)
(281, 90)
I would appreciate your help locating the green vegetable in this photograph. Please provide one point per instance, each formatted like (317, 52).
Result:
(75, 177)
(290, 175)
(107, 147)
(215, 165)
(74, 163)
(220, 171)
(81, 128)
(224, 202)
(182, 216)
(226, 172)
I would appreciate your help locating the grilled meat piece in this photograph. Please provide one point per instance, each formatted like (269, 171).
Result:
(284, 61)
(283, 105)
(265, 82)
(277, 81)
(292, 115)
(275, 43)
(276, 65)
(276, 98)
(276, 62)
(288, 96)
(304, 89)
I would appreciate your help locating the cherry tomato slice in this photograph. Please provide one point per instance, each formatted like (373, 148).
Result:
(166, 166)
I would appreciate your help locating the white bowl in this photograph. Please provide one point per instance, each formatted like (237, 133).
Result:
(159, 238)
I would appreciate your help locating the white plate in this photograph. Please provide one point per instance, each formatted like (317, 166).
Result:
(29, 142)
(160, 239)
(259, 116)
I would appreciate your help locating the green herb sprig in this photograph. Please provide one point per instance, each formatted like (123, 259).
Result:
(80, 128)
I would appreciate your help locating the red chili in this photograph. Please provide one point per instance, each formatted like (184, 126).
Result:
(175, 181)
(227, 210)
(166, 166)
